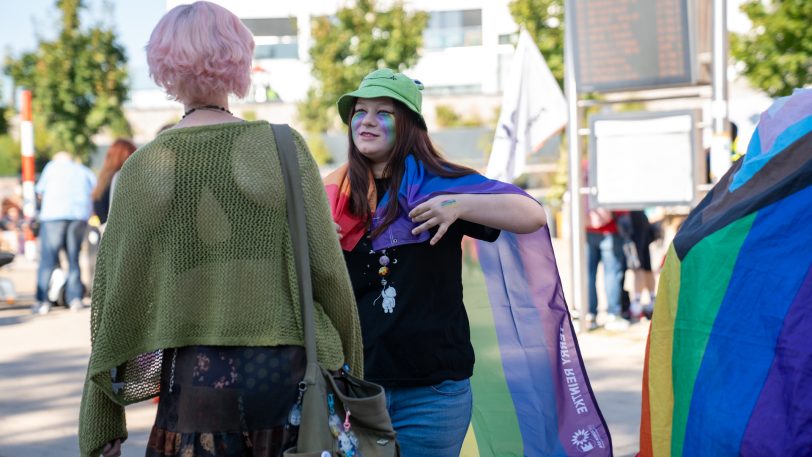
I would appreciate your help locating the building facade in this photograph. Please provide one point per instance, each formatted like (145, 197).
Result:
(467, 48)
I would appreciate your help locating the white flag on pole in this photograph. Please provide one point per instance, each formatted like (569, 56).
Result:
(533, 110)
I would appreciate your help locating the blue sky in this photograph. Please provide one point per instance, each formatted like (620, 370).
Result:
(22, 20)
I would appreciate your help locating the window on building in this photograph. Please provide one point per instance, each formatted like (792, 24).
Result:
(272, 26)
(276, 37)
(277, 51)
(509, 38)
(448, 29)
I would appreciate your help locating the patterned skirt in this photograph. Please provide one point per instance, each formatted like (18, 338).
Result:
(219, 401)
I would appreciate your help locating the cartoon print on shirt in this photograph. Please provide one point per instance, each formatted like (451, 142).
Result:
(388, 293)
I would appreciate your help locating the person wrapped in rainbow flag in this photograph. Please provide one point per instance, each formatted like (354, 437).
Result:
(728, 368)
(401, 211)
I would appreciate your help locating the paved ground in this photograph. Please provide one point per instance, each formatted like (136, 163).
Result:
(43, 361)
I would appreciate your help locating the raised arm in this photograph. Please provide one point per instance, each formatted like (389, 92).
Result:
(512, 212)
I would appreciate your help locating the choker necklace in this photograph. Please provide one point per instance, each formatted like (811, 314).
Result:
(206, 107)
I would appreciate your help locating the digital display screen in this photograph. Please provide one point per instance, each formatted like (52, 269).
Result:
(631, 44)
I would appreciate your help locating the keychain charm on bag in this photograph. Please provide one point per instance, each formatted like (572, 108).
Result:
(347, 441)
(319, 433)
(295, 414)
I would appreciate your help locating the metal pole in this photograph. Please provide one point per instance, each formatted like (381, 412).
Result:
(27, 150)
(720, 145)
(578, 285)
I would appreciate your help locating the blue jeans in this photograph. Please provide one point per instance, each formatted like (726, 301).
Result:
(54, 236)
(608, 249)
(431, 421)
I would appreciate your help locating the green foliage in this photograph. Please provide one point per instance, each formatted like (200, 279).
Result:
(44, 144)
(4, 112)
(79, 82)
(447, 117)
(9, 156)
(358, 40)
(777, 51)
(544, 20)
(318, 147)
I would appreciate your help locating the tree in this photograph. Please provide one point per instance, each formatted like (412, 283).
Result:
(9, 148)
(3, 108)
(359, 39)
(10, 158)
(544, 20)
(777, 51)
(79, 82)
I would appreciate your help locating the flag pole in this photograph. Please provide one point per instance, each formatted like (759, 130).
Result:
(720, 160)
(27, 152)
(577, 284)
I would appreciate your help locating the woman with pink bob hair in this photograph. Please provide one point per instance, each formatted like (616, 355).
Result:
(195, 298)
(200, 53)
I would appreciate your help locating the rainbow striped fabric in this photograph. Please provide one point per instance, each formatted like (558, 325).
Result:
(531, 392)
(729, 360)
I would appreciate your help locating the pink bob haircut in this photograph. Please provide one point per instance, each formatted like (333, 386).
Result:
(200, 50)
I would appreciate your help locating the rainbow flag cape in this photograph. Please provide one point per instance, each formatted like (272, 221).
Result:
(531, 392)
(728, 366)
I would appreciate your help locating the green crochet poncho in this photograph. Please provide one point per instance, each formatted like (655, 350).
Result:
(197, 251)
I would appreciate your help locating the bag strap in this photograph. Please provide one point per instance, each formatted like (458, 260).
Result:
(289, 159)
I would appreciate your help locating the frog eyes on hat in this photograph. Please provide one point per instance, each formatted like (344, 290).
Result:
(418, 83)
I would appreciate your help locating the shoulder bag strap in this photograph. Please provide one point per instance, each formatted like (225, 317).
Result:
(288, 158)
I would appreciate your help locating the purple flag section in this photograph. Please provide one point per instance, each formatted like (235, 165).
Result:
(554, 402)
(556, 409)
(786, 397)
(792, 110)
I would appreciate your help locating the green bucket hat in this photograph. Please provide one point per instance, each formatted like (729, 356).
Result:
(384, 83)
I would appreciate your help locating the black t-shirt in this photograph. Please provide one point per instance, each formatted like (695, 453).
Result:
(414, 325)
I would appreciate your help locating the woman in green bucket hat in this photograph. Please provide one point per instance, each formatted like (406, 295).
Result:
(401, 210)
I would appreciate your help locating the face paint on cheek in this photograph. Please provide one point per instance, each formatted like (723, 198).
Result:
(387, 122)
(355, 124)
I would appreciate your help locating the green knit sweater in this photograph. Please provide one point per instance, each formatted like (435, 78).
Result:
(197, 251)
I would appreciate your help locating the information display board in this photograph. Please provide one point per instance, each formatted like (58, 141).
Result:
(644, 159)
(633, 44)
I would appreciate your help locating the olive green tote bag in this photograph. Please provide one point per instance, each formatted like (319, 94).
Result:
(341, 415)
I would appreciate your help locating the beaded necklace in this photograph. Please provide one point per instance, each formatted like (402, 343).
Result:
(388, 292)
(206, 107)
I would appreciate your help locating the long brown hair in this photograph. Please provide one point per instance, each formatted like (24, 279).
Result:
(122, 149)
(411, 137)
